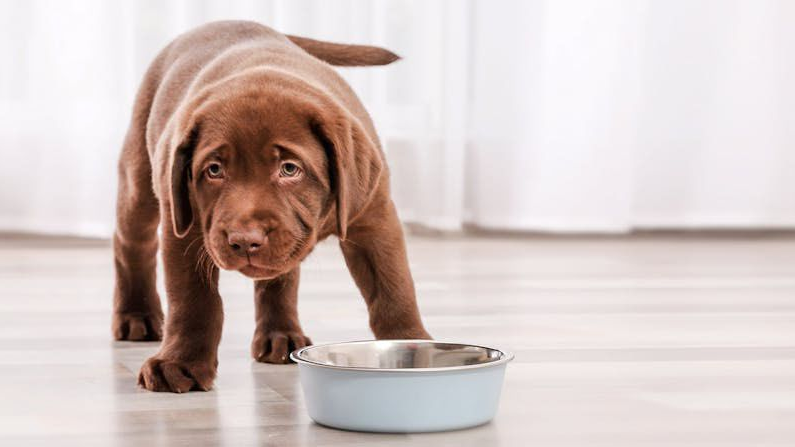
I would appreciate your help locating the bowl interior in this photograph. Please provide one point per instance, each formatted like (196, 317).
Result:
(399, 354)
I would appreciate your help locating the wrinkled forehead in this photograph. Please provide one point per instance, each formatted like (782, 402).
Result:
(257, 126)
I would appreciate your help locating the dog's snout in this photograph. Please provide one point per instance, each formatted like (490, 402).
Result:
(246, 242)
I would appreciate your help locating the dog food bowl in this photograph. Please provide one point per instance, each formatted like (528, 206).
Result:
(401, 386)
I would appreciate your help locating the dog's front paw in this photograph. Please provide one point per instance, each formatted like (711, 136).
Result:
(176, 376)
(276, 346)
(137, 326)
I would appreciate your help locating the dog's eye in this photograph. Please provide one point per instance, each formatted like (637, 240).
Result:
(289, 169)
(215, 170)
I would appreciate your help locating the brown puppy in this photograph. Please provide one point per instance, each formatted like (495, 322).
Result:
(248, 148)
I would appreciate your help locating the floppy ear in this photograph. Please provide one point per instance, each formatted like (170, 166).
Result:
(179, 181)
(355, 164)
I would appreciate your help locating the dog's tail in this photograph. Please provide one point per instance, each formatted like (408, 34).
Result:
(344, 55)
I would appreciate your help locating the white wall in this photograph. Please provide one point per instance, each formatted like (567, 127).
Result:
(531, 115)
(716, 141)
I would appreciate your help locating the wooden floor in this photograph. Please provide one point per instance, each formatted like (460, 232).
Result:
(646, 340)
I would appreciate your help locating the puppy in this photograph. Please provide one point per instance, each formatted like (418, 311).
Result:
(248, 148)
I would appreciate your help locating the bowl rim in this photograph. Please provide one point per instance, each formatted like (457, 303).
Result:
(504, 358)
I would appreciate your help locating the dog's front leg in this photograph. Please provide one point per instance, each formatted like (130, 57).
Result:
(375, 252)
(188, 357)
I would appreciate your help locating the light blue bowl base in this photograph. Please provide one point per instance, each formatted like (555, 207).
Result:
(401, 402)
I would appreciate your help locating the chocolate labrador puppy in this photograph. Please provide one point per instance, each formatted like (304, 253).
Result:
(248, 148)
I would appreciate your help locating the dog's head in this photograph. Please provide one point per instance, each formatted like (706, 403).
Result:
(262, 163)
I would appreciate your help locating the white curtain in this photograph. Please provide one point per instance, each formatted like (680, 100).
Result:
(516, 115)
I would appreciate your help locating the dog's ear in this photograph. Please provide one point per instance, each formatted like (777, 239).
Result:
(179, 178)
(355, 165)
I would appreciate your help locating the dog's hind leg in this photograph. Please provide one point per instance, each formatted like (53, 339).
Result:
(278, 331)
(137, 314)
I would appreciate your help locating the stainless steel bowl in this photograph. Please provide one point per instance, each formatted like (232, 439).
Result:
(401, 385)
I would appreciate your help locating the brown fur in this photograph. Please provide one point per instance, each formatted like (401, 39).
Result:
(224, 114)
(344, 55)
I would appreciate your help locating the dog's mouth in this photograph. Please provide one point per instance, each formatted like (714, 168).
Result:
(266, 265)
(258, 272)
(252, 268)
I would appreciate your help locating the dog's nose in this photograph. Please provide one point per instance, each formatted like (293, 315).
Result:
(246, 242)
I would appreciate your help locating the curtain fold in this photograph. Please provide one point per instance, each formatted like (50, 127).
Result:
(562, 116)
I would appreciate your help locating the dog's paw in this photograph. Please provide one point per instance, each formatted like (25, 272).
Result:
(137, 326)
(401, 333)
(176, 376)
(276, 346)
